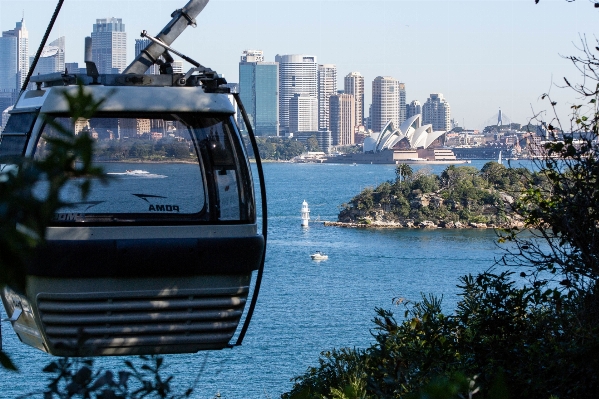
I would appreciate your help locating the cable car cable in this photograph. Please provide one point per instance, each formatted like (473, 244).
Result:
(252, 137)
(40, 48)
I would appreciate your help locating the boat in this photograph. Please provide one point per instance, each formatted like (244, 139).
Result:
(159, 265)
(319, 256)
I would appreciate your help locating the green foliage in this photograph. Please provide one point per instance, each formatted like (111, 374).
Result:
(137, 149)
(340, 374)
(78, 378)
(460, 193)
(278, 148)
(312, 144)
(403, 172)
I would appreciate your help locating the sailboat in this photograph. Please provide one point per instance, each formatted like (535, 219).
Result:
(499, 161)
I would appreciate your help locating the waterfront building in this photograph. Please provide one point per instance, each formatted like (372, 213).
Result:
(259, 92)
(412, 134)
(298, 74)
(385, 102)
(413, 108)
(109, 45)
(324, 138)
(343, 120)
(303, 113)
(52, 58)
(353, 84)
(327, 87)
(134, 127)
(437, 112)
(14, 56)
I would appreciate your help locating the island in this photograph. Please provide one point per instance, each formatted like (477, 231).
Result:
(460, 197)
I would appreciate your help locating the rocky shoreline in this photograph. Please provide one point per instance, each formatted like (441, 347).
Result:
(427, 224)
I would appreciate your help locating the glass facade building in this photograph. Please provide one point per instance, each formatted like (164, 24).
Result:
(259, 92)
(14, 55)
(109, 45)
(9, 65)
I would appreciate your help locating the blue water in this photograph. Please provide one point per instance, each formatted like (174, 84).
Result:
(306, 307)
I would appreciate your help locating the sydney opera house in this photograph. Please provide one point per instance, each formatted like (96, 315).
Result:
(412, 142)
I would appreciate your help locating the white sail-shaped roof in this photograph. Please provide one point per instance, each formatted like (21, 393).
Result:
(418, 135)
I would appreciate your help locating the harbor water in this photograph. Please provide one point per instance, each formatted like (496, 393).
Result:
(305, 306)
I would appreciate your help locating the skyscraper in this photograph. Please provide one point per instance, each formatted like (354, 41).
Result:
(140, 45)
(353, 84)
(8, 63)
(402, 103)
(298, 74)
(385, 102)
(109, 45)
(343, 119)
(14, 56)
(413, 108)
(327, 87)
(52, 58)
(437, 112)
(303, 113)
(259, 92)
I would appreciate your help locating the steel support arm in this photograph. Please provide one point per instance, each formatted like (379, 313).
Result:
(181, 19)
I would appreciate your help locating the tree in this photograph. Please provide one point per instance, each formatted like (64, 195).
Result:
(312, 144)
(563, 213)
(403, 171)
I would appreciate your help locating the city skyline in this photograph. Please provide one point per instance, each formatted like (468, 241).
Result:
(505, 52)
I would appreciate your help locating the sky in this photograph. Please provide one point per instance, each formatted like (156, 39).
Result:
(482, 55)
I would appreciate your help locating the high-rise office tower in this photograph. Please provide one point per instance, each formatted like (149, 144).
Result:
(385, 102)
(298, 74)
(259, 92)
(52, 58)
(8, 63)
(402, 103)
(140, 45)
(353, 84)
(327, 87)
(413, 108)
(343, 119)
(109, 45)
(14, 57)
(303, 113)
(437, 112)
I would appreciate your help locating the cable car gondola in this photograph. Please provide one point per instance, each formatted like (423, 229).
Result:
(159, 260)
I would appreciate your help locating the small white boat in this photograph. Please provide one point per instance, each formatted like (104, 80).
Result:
(319, 256)
(137, 172)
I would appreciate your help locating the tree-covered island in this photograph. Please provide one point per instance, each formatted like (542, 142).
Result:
(462, 196)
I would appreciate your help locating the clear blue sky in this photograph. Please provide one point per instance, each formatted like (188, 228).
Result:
(481, 54)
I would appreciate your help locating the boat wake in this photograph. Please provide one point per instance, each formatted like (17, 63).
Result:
(137, 173)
